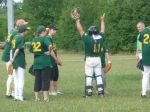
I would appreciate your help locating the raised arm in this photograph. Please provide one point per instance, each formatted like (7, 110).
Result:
(103, 23)
(79, 27)
(75, 15)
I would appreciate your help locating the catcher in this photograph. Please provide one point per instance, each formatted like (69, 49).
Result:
(93, 41)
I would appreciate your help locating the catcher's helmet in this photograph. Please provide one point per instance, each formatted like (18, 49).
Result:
(93, 30)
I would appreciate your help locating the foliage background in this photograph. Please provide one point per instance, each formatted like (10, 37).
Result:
(121, 19)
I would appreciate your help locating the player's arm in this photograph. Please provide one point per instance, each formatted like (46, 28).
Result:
(107, 57)
(138, 47)
(103, 23)
(136, 55)
(54, 55)
(56, 58)
(79, 27)
(12, 57)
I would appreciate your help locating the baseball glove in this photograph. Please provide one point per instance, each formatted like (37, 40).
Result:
(31, 70)
(107, 67)
(75, 13)
(140, 65)
(10, 69)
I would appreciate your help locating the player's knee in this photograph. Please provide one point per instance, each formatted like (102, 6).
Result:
(88, 80)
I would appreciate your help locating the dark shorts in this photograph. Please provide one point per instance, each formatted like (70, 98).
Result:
(42, 79)
(54, 73)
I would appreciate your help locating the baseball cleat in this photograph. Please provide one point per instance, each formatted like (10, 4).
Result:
(143, 96)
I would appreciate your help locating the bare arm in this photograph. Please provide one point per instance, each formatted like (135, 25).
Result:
(107, 57)
(58, 61)
(10, 54)
(14, 56)
(53, 55)
(79, 27)
(103, 23)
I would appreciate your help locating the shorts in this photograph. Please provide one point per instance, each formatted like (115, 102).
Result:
(54, 73)
(42, 79)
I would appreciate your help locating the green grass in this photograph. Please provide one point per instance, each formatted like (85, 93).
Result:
(123, 83)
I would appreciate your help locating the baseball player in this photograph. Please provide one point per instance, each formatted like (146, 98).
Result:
(6, 55)
(140, 27)
(93, 41)
(104, 57)
(42, 62)
(17, 58)
(144, 38)
(55, 72)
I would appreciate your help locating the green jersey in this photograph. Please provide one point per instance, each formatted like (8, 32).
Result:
(6, 52)
(93, 46)
(138, 45)
(145, 39)
(54, 49)
(102, 55)
(18, 43)
(39, 46)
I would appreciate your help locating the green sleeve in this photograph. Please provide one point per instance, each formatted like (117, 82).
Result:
(101, 34)
(140, 37)
(47, 41)
(138, 45)
(20, 43)
(30, 49)
(84, 37)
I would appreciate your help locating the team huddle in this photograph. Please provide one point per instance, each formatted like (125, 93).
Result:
(46, 60)
(44, 64)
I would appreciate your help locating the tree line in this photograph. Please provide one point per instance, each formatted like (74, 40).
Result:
(121, 19)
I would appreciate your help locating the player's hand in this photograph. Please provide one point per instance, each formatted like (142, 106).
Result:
(11, 61)
(103, 17)
(109, 61)
(47, 53)
(137, 56)
(75, 13)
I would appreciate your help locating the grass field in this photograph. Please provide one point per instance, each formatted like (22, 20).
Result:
(124, 86)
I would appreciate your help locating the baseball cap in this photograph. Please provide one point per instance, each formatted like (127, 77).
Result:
(52, 26)
(41, 28)
(21, 21)
(23, 27)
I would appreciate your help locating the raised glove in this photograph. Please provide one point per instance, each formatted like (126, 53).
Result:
(10, 69)
(140, 65)
(75, 13)
(107, 67)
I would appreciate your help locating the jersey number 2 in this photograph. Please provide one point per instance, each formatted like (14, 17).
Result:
(36, 46)
(13, 43)
(146, 39)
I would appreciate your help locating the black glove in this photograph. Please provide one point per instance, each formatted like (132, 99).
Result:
(140, 65)
(31, 70)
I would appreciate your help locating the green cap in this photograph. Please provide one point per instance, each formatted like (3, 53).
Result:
(23, 27)
(41, 28)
